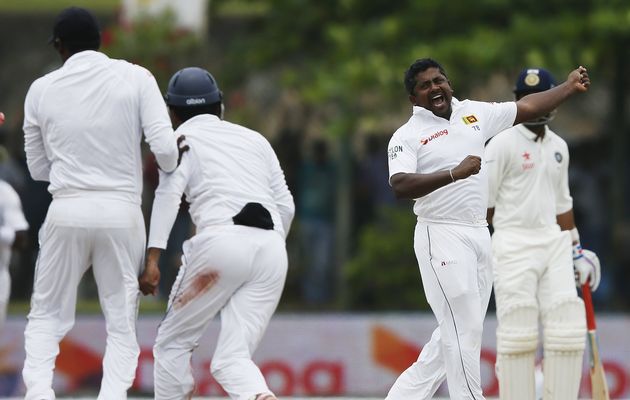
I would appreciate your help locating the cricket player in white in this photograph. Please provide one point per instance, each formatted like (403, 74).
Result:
(435, 159)
(83, 126)
(531, 211)
(12, 225)
(236, 263)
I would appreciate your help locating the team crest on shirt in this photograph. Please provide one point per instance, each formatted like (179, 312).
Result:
(436, 135)
(527, 162)
(558, 157)
(470, 119)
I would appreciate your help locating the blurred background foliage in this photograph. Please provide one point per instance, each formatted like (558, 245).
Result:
(299, 70)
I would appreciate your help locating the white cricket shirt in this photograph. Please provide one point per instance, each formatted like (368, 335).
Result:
(83, 126)
(528, 178)
(12, 220)
(226, 167)
(428, 143)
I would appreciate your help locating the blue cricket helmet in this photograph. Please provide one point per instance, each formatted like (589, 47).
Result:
(192, 86)
(532, 80)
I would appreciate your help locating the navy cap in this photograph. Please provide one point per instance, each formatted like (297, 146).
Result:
(77, 26)
(532, 80)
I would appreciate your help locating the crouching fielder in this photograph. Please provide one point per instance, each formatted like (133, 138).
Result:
(236, 263)
(532, 215)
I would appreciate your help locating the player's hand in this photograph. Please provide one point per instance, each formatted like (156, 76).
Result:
(587, 268)
(182, 148)
(469, 166)
(150, 278)
(579, 80)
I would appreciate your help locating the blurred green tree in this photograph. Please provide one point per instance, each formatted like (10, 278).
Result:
(346, 60)
(155, 43)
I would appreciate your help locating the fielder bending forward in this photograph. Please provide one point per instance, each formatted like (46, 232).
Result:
(531, 210)
(83, 125)
(435, 158)
(236, 263)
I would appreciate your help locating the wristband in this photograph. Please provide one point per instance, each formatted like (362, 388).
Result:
(450, 172)
(575, 235)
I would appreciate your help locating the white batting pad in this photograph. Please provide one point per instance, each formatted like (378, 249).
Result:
(517, 338)
(565, 332)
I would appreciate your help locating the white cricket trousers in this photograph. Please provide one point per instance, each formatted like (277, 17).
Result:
(532, 266)
(108, 235)
(456, 270)
(236, 271)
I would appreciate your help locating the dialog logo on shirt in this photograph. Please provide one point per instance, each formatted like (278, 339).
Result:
(436, 135)
(558, 157)
(448, 262)
(470, 119)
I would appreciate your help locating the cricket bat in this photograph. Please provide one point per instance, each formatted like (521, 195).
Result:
(599, 387)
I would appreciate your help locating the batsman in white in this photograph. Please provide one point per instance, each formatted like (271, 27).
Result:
(435, 159)
(83, 127)
(236, 263)
(13, 227)
(531, 211)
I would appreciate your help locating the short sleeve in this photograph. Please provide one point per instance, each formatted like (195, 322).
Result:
(402, 156)
(13, 214)
(498, 117)
(564, 201)
(493, 162)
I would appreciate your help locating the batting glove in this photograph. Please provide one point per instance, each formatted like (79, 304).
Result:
(586, 266)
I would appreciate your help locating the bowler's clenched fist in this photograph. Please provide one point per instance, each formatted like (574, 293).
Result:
(469, 166)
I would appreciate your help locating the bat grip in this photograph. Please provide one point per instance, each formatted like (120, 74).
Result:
(588, 303)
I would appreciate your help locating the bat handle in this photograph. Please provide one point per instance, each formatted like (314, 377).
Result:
(588, 303)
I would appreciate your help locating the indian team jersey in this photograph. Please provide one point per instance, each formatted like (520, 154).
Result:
(528, 178)
(427, 144)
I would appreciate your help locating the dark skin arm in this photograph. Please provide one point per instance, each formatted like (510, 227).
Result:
(20, 241)
(538, 104)
(489, 215)
(150, 277)
(413, 185)
(566, 221)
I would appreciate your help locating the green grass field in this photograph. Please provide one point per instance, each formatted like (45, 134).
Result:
(147, 306)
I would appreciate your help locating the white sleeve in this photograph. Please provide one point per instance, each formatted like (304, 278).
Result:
(281, 194)
(494, 162)
(36, 157)
(13, 219)
(402, 155)
(498, 117)
(168, 197)
(156, 123)
(564, 201)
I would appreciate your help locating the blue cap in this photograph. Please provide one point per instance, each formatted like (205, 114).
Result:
(532, 80)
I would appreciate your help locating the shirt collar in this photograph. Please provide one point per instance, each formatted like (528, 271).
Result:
(423, 112)
(529, 135)
(83, 56)
(202, 119)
